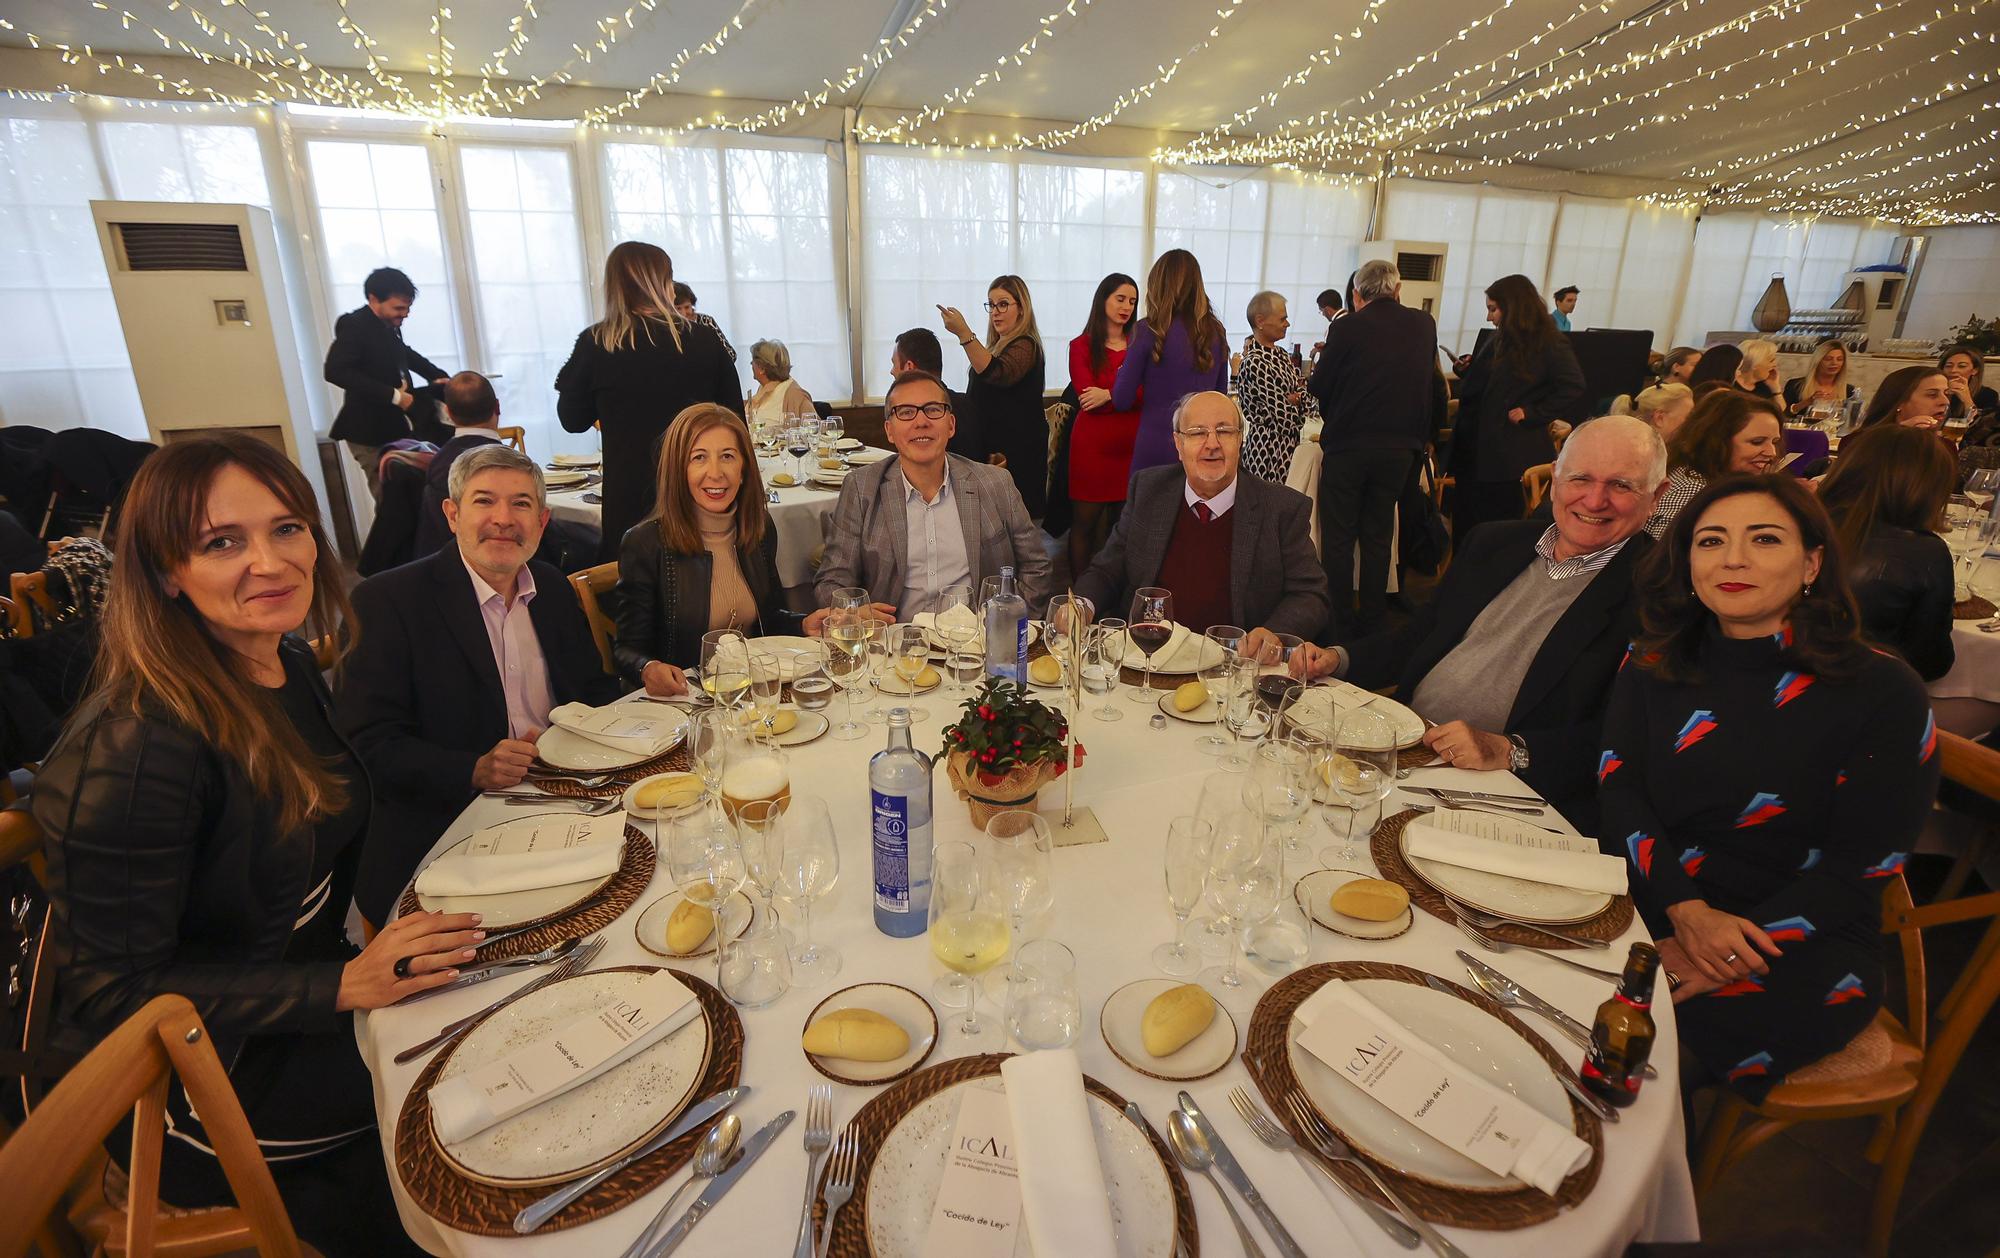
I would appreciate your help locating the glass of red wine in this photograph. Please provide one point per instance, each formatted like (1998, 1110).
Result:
(1150, 627)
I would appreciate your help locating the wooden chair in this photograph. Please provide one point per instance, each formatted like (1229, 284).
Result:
(31, 599)
(1976, 767)
(590, 585)
(1894, 1070)
(1559, 431)
(1535, 486)
(514, 435)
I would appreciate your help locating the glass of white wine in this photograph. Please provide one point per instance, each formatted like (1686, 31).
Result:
(848, 630)
(910, 654)
(1359, 774)
(725, 666)
(968, 933)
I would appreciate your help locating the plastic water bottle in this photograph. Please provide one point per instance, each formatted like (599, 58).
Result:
(1007, 632)
(899, 793)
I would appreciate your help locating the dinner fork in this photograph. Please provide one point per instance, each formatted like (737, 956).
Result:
(1487, 921)
(584, 807)
(1276, 1137)
(585, 780)
(819, 1138)
(842, 1169)
(1492, 944)
(577, 963)
(1454, 802)
(1331, 1147)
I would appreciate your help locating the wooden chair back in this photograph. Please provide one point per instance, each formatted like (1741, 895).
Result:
(1972, 765)
(1535, 486)
(514, 435)
(31, 598)
(128, 1072)
(589, 584)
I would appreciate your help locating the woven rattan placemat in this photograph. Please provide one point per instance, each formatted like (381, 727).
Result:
(1387, 848)
(635, 871)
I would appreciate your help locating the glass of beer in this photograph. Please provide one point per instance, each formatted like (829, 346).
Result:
(755, 772)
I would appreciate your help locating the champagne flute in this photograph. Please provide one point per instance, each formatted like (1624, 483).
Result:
(968, 934)
(1150, 626)
(1103, 657)
(1023, 855)
(1186, 863)
(758, 970)
(767, 688)
(808, 869)
(1215, 675)
(1361, 771)
(1278, 787)
(706, 864)
(910, 652)
(708, 746)
(725, 666)
(1245, 877)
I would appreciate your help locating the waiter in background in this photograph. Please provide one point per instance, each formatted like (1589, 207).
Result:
(378, 372)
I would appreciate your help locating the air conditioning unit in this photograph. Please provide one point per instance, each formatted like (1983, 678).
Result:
(201, 295)
(1419, 262)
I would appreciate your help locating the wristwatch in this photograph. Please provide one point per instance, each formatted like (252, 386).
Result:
(1517, 753)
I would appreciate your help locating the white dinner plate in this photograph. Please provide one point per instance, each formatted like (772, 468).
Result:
(1194, 653)
(859, 456)
(940, 645)
(1208, 713)
(1319, 702)
(898, 1004)
(900, 1202)
(577, 460)
(1460, 1031)
(567, 478)
(849, 443)
(787, 648)
(1497, 893)
(893, 684)
(631, 800)
(1122, 1021)
(592, 1124)
(651, 928)
(513, 908)
(566, 750)
(1314, 892)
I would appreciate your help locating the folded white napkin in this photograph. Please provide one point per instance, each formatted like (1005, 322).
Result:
(1513, 856)
(541, 851)
(1063, 1196)
(574, 1054)
(1408, 1076)
(1170, 658)
(635, 727)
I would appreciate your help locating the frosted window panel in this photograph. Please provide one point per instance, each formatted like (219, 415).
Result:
(154, 161)
(342, 175)
(545, 182)
(497, 245)
(88, 319)
(47, 163)
(758, 248)
(1829, 254)
(553, 252)
(1658, 243)
(410, 242)
(809, 249)
(402, 176)
(36, 340)
(1777, 248)
(45, 399)
(1715, 278)
(109, 399)
(491, 180)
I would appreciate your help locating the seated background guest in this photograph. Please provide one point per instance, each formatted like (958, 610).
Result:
(1101, 439)
(1665, 406)
(1919, 397)
(474, 411)
(1716, 363)
(1825, 380)
(204, 821)
(1679, 365)
(1765, 773)
(1758, 372)
(1234, 548)
(1271, 392)
(1887, 496)
(1514, 656)
(777, 394)
(908, 528)
(1177, 349)
(918, 350)
(460, 658)
(1006, 375)
(707, 558)
(684, 306)
(1964, 374)
(1729, 433)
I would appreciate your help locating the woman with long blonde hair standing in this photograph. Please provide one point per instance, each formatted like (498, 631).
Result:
(632, 372)
(1007, 372)
(1177, 349)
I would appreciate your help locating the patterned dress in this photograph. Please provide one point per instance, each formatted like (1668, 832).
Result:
(1264, 385)
(1784, 799)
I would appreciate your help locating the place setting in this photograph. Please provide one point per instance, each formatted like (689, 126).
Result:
(595, 752)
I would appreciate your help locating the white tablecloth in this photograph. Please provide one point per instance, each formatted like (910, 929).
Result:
(1975, 670)
(1110, 909)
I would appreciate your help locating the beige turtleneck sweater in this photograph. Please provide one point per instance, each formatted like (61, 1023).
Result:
(728, 592)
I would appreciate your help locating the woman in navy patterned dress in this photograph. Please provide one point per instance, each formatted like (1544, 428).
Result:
(1765, 773)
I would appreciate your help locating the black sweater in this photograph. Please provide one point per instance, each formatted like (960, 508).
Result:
(1903, 582)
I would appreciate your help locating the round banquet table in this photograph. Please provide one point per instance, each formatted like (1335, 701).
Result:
(1110, 908)
(1970, 692)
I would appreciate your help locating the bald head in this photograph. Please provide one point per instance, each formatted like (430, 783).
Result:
(1208, 434)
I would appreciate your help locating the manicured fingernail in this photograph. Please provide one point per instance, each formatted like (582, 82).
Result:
(476, 919)
(450, 973)
(479, 934)
(468, 954)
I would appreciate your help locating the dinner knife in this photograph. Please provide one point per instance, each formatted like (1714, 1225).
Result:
(1225, 1161)
(1568, 1025)
(1591, 1103)
(1465, 801)
(1455, 793)
(541, 1211)
(718, 1186)
(474, 975)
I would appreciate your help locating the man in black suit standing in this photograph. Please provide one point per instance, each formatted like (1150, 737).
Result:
(378, 373)
(460, 659)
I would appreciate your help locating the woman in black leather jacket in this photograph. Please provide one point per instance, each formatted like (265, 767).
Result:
(706, 558)
(1887, 495)
(204, 822)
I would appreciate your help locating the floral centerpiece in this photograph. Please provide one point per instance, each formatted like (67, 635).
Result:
(1004, 749)
(1982, 335)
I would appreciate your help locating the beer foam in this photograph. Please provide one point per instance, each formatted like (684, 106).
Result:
(761, 778)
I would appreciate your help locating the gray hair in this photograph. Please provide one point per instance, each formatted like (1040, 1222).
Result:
(1634, 429)
(485, 458)
(1263, 306)
(774, 358)
(1187, 400)
(1376, 279)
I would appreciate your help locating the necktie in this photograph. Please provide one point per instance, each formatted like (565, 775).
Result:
(1202, 512)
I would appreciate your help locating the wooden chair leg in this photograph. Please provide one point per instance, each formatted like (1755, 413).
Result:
(1713, 1153)
(1895, 1170)
(1878, 1144)
(1962, 867)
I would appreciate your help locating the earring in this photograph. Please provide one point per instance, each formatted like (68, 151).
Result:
(1808, 590)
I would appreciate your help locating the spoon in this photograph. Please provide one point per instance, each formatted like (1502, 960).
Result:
(1194, 1154)
(710, 1157)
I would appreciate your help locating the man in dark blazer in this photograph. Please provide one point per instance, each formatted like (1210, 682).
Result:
(1233, 548)
(379, 374)
(460, 659)
(1515, 656)
(473, 409)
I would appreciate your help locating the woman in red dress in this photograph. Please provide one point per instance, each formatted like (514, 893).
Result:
(1100, 443)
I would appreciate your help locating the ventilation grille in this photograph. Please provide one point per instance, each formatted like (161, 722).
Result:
(1421, 267)
(180, 246)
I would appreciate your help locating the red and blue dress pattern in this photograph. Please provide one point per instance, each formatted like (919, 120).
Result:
(1786, 799)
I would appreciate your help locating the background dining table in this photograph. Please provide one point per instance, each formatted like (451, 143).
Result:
(1967, 698)
(1111, 910)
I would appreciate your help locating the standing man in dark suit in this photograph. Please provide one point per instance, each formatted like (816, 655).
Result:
(379, 373)
(460, 659)
(1377, 385)
(1514, 658)
(1234, 548)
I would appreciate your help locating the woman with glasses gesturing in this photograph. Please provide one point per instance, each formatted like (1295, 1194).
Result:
(1005, 384)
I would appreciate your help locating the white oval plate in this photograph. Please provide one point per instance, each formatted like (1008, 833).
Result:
(1183, 661)
(512, 908)
(786, 647)
(895, 685)
(862, 455)
(654, 814)
(577, 460)
(1122, 1021)
(900, 1203)
(592, 1124)
(898, 1004)
(849, 443)
(565, 750)
(651, 928)
(811, 726)
(940, 646)
(1314, 892)
(1207, 714)
(1497, 893)
(1464, 1033)
(1311, 711)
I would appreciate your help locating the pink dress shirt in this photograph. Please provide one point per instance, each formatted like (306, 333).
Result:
(517, 652)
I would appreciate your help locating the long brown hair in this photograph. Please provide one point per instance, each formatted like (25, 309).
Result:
(1526, 328)
(1895, 389)
(1097, 328)
(1174, 291)
(1706, 439)
(638, 296)
(674, 506)
(1823, 629)
(1888, 475)
(1017, 288)
(159, 651)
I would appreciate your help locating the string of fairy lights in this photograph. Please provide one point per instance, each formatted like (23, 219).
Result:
(1541, 88)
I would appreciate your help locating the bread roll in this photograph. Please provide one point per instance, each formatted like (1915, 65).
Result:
(856, 1035)
(1190, 696)
(671, 791)
(784, 721)
(1046, 669)
(929, 677)
(1371, 900)
(1174, 1017)
(689, 926)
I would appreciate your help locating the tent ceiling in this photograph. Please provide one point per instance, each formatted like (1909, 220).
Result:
(1799, 104)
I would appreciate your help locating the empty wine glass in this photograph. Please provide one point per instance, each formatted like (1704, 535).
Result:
(812, 689)
(1357, 771)
(1150, 626)
(767, 688)
(1215, 676)
(968, 934)
(1246, 718)
(808, 869)
(756, 967)
(848, 630)
(1022, 849)
(705, 861)
(708, 746)
(1278, 786)
(1103, 657)
(1186, 867)
(1044, 1009)
(1246, 873)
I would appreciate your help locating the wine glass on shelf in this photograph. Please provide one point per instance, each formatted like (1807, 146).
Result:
(1103, 657)
(1357, 770)
(705, 861)
(1186, 868)
(1023, 855)
(725, 666)
(910, 653)
(968, 934)
(1215, 675)
(808, 869)
(1150, 626)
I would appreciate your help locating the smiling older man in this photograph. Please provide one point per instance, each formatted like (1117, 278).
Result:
(1514, 658)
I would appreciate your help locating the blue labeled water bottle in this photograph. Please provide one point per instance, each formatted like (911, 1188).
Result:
(1007, 632)
(899, 794)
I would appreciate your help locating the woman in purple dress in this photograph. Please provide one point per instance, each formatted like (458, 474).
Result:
(1178, 349)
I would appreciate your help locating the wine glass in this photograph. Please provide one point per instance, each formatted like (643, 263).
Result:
(808, 868)
(848, 630)
(757, 970)
(1278, 787)
(708, 746)
(1981, 485)
(1186, 866)
(706, 863)
(798, 444)
(1043, 1007)
(968, 934)
(811, 687)
(1245, 877)
(1246, 718)
(910, 652)
(881, 664)
(767, 688)
(725, 666)
(1023, 854)
(957, 631)
(1215, 675)
(1102, 658)
(1358, 771)
(1150, 626)
(1065, 631)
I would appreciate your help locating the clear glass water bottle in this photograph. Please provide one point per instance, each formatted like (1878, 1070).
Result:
(899, 793)
(1007, 632)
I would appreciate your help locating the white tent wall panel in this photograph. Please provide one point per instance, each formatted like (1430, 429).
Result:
(1960, 278)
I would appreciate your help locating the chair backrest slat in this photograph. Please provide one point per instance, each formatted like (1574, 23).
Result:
(589, 584)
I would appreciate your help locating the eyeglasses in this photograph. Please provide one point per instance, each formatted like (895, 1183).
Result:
(1617, 488)
(929, 410)
(1198, 435)
(994, 307)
